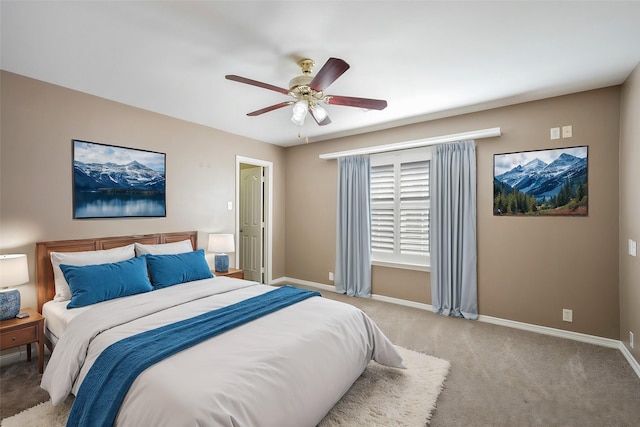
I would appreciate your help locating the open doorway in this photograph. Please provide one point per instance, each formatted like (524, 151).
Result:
(254, 186)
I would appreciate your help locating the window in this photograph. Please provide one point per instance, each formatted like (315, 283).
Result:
(400, 207)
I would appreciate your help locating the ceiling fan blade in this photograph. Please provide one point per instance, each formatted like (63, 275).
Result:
(270, 108)
(256, 83)
(329, 73)
(369, 104)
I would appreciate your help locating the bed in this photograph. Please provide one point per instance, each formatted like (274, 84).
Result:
(286, 368)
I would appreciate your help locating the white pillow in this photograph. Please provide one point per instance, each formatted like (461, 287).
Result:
(63, 292)
(164, 248)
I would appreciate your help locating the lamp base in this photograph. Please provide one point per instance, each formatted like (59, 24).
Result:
(222, 263)
(9, 304)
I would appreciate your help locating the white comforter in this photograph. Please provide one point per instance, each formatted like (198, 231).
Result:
(285, 369)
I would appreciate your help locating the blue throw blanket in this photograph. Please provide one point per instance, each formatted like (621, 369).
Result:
(108, 381)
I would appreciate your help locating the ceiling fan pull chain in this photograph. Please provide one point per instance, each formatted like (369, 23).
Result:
(306, 138)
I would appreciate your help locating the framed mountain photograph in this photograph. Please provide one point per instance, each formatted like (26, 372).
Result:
(117, 182)
(541, 183)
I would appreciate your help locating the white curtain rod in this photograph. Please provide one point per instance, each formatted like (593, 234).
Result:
(474, 134)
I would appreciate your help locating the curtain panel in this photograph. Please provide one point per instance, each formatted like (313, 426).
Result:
(353, 227)
(453, 230)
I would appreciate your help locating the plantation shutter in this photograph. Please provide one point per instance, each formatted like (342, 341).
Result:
(382, 208)
(399, 194)
(414, 208)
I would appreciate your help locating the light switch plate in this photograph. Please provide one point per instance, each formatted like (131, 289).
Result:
(555, 133)
(567, 131)
(633, 248)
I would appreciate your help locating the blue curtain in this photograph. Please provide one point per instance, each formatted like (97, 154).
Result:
(454, 290)
(353, 228)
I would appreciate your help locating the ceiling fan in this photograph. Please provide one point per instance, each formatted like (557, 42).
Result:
(308, 92)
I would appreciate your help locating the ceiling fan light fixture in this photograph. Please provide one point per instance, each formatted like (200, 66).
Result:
(299, 112)
(318, 112)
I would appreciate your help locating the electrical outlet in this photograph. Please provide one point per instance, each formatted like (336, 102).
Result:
(331, 275)
(631, 339)
(567, 315)
(567, 131)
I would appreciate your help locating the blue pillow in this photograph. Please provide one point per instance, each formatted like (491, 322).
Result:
(101, 282)
(169, 270)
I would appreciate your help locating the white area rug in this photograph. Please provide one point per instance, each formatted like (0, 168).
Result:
(382, 396)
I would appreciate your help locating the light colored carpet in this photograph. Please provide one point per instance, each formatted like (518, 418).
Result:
(382, 396)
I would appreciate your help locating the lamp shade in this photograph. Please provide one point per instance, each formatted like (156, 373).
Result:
(221, 243)
(319, 113)
(14, 270)
(299, 112)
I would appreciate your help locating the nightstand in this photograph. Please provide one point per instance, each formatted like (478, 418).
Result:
(233, 272)
(17, 332)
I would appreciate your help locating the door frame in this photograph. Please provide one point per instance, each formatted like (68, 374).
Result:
(267, 244)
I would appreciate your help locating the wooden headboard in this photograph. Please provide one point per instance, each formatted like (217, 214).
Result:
(44, 270)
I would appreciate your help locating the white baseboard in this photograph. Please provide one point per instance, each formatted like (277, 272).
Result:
(404, 302)
(576, 336)
(330, 288)
(286, 280)
(632, 361)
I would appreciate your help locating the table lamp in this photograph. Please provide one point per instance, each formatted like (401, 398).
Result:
(14, 271)
(221, 244)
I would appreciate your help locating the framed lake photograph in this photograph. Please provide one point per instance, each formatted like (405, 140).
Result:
(541, 183)
(117, 182)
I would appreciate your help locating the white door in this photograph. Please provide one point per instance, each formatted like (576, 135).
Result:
(251, 222)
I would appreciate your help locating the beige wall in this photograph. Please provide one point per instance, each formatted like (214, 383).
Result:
(630, 211)
(529, 269)
(39, 121)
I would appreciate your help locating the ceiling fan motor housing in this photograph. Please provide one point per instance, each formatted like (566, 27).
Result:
(299, 86)
(303, 80)
(299, 89)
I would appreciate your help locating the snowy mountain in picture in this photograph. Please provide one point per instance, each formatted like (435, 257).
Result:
(540, 179)
(132, 176)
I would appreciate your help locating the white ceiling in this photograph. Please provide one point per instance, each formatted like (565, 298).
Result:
(428, 59)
